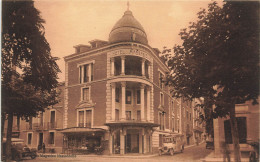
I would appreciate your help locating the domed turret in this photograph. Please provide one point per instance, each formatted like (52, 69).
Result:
(128, 29)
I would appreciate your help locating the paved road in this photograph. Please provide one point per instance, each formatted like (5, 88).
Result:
(194, 153)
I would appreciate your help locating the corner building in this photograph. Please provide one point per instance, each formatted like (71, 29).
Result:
(114, 95)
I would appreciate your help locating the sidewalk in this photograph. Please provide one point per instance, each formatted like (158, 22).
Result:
(211, 158)
(129, 156)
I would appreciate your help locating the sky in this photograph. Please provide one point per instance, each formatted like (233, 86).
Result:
(72, 22)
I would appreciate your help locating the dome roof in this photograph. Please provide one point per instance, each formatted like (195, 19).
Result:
(128, 29)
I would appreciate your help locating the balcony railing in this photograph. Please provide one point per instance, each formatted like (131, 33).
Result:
(52, 125)
(87, 125)
(39, 126)
(36, 126)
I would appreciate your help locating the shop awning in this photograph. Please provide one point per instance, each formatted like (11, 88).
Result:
(82, 130)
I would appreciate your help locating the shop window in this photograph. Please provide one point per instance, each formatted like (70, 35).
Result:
(138, 97)
(242, 131)
(51, 138)
(128, 96)
(29, 138)
(86, 94)
(86, 73)
(128, 115)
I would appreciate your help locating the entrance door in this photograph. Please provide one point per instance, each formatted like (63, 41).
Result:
(40, 141)
(132, 143)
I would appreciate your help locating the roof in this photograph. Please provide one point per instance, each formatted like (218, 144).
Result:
(128, 29)
(128, 20)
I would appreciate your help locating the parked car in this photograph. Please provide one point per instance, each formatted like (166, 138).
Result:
(172, 144)
(19, 149)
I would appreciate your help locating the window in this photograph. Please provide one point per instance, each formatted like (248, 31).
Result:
(187, 115)
(128, 115)
(173, 124)
(128, 96)
(161, 120)
(161, 99)
(242, 131)
(86, 73)
(29, 138)
(51, 138)
(117, 114)
(161, 80)
(88, 118)
(30, 122)
(138, 97)
(86, 94)
(117, 94)
(52, 120)
(81, 118)
(85, 118)
(138, 113)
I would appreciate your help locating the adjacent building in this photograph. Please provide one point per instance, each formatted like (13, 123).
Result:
(247, 116)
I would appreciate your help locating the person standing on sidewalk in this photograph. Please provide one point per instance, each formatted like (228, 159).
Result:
(43, 148)
(226, 152)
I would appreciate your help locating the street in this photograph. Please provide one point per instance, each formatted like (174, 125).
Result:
(194, 153)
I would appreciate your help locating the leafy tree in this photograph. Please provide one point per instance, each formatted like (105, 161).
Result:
(29, 72)
(218, 60)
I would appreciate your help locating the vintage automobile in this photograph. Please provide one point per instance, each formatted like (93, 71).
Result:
(19, 149)
(172, 144)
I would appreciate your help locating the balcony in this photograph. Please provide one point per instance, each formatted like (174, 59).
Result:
(36, 126)
(130, 65)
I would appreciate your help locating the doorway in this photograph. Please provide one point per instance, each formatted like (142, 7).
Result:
(132, 141)
(40, 141)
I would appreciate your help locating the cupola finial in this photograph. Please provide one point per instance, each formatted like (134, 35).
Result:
(128, 5)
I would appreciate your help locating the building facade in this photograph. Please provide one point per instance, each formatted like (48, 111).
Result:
(247, 116)
(114, 97)
(44, 128)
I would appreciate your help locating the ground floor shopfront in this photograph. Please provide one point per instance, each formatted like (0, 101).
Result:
(127, 138)
(119, 138)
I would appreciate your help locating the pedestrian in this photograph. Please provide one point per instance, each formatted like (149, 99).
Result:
(43, 147)
(226, 152)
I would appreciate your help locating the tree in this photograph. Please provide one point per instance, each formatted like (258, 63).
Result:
(218, 60)
(29, 72)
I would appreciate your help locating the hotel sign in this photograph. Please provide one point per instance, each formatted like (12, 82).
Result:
(132, 52)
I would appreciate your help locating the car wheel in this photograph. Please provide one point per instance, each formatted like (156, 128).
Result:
(33, 156)
(17, 157)
(171, 152)
(160, 152)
